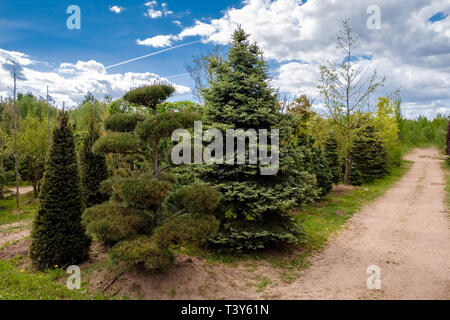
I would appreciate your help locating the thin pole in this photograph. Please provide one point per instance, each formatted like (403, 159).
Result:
(16, 160)
(48, 123)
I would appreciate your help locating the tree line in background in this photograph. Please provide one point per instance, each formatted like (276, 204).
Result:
(104, 171)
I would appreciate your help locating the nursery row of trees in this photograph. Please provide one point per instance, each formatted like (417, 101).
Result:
(108, 174)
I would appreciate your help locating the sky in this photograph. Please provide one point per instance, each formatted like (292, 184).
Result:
(411, 45)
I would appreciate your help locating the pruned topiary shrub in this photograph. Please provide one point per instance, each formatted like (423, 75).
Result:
(138, 189)
(141, 192)
(186, 229)
(112, 223)
(144, 253)
(118, 142)
(150, 96)
(199, 199)
(121, 122)
(193, 224)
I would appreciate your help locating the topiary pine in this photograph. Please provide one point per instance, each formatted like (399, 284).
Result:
(334, 160)
(150, 96)
(58, 237)
(93, 168)
(369, 155)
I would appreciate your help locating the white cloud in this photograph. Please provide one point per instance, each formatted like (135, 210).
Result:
(150, 3)
(70, 82)
(157, 41)
(116, 9)
(155, 13)
(411, 51)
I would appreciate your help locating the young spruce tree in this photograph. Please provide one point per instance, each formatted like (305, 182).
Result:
(334, 161)
(58, 237)
(254, 207)
(369, 156)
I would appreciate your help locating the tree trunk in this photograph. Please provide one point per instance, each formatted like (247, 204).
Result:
(34, 189)
(16, 158)
(35, 183)
(155, 167)
(348, 169)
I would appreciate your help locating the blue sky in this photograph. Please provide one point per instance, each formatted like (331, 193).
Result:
(411, 47)
(38, 28)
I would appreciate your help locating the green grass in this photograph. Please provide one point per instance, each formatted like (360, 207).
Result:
(9, 214)
(320, 220)
(19, 284)
(446, 169)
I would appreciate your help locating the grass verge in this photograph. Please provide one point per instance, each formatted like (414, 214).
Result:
(19, 284)
(446, 170)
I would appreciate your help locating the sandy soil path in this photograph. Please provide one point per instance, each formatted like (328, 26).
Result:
(22, 190)
(406, 233)
(14, 232)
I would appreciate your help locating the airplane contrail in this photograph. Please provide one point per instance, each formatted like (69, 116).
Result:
(177, 75)
(152, 54)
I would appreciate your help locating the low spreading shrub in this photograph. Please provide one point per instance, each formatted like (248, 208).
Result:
(140, 192)
(121, 122)
(112, 223)
(144, 253)
(186, 228)
(199, 199)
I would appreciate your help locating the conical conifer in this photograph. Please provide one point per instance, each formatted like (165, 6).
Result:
(58, 237)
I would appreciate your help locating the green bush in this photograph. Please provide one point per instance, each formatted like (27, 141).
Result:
(186, 228)
(199, 199)
(149, 96)
(142, 192)
(117, 142)
(144, 253)
(112, 223)
(121, 122)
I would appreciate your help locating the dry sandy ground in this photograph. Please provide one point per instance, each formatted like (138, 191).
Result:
(14, 232)
(22, 190)
(405, 232)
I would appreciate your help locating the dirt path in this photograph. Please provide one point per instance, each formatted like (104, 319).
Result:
(22, 190)
(406, 233)
(14, 232)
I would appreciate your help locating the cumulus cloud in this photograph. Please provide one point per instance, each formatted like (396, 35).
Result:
(116, 9)
(157, 41)
(412, 51)
(154, 12)
(71, 81)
